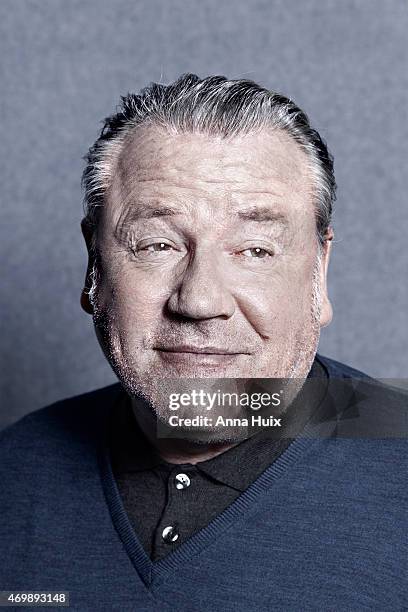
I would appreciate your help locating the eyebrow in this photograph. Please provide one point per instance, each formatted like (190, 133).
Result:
(259, 214)
(149, 211)
(262, 214)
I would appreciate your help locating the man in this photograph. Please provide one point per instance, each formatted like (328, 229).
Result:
(208, 225)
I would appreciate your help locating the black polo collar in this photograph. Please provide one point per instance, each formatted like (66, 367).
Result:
(236, 467)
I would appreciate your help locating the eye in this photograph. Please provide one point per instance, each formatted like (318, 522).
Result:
(257, 252)
(155, 247)
(152, 249)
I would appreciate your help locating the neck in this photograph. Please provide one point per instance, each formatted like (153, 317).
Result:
(176, 450)
(185, 450)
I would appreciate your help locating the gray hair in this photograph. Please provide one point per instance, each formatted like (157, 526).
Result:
(214, 106)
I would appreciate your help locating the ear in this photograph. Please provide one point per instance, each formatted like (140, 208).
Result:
(326, 313)
(87, 234)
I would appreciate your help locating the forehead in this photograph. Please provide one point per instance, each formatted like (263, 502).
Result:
(190, 168)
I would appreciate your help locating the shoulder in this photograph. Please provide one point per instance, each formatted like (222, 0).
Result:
(49, 469)
(76, 419)
(340, 370)
(367, 408)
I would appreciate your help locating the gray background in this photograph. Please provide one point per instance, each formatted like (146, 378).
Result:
(64, 64)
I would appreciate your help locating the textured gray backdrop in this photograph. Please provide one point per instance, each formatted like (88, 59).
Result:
(64, 64)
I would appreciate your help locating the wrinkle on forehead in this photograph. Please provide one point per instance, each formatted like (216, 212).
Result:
(156, 165)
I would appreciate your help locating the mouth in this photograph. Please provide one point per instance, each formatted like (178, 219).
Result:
(205, 356)
(200, 350)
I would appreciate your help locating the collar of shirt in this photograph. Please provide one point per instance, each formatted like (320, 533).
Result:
(237, 467)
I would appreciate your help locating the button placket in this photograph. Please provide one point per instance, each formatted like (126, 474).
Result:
(170, 534)
(182, 481)
(169, 530)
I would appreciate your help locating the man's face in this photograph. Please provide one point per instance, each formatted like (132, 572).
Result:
(209, 260)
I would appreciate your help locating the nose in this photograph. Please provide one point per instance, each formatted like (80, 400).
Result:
(202, 291)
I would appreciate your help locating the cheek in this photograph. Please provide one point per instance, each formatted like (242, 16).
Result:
(136, 301)
(277, 306)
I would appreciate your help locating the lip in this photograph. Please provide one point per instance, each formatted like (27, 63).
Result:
(189, 359)
(205, 358)
(199, 350)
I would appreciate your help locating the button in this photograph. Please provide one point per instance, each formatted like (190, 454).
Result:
(182, 481)
(170, 534)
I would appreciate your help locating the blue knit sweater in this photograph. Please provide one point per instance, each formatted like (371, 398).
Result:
(324, 528)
